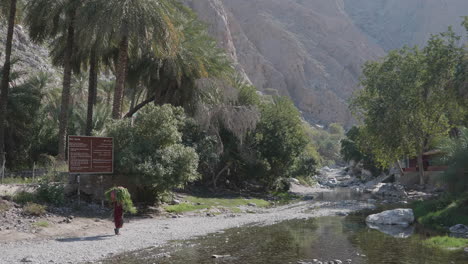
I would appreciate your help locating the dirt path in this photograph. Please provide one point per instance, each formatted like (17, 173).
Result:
(98, 242)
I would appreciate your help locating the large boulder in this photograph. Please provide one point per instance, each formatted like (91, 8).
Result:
(403, 217)
(389, 190)
(459, 230)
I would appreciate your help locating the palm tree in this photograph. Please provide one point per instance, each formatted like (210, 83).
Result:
(87, 55)
(4, 85)
(134, 27)
(52, 19)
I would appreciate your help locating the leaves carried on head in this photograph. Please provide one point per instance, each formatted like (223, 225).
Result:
(123, 197)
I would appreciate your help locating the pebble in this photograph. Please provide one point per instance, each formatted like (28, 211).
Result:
(27, 259)
(220, 256)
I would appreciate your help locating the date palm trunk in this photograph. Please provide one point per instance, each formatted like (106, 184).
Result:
(6, 78)
(120, 79)
(65, 102)
(92, 87)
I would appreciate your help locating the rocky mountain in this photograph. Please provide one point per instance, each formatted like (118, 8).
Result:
(313, 50)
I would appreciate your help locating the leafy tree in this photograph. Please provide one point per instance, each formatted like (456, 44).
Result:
(280, 137)
(149, 150)
(5, 82)
(408, 99)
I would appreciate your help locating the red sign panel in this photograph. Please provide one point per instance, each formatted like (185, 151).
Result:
(90, 155)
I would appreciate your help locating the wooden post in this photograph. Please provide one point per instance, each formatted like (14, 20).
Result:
(78, 192)
(3, 167)
(102, 191)
(34, 171)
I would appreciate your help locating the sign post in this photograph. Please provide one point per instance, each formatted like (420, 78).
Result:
(90, 155)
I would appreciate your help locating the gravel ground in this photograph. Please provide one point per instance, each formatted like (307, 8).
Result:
(140, 234)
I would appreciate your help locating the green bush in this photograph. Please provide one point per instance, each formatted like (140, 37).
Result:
(34, 209)
(24, 197)
(51, 193)
(149, 150)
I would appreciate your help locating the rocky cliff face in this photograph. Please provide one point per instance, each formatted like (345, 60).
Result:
(28, 56)
(313, 50)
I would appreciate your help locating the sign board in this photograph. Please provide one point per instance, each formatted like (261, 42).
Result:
(90, 155)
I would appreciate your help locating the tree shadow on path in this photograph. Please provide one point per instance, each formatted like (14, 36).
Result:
(91, 238)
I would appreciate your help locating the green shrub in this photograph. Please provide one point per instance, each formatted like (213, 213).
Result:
(24, 197)
(149, 150)
(34, 209)
(51, 193)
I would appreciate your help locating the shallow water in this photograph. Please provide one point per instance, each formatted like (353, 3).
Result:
(325, 239)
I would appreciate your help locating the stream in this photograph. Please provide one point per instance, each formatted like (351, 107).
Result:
(315, 240)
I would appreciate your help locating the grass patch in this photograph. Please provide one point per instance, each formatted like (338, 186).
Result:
(34, 209)
(19, 180)
(442, 213)
(41, 224)
(184, 207)
(446, 243)
(24, 197)
(198, 203)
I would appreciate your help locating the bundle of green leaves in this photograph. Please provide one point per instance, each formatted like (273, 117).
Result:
(122, 196)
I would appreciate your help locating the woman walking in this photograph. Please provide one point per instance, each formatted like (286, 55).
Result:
(122, 201)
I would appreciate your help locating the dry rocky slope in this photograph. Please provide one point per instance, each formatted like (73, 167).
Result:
(310, 50)
(313, 50)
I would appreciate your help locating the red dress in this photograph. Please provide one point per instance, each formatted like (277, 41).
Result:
(118, 215)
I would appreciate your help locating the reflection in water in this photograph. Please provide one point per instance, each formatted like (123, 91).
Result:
(341, 194)
(397, 231)
(326, 239)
